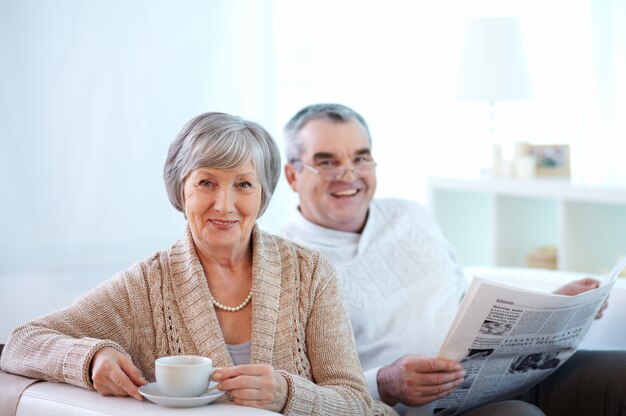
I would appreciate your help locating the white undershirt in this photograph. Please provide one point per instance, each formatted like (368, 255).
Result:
(240, 353)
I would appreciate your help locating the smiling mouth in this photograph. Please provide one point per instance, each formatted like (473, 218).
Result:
(347, 192)
(223, 222)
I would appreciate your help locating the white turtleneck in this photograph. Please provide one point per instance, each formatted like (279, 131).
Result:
(401, 280)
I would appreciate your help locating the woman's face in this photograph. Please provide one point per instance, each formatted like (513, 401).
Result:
(222, 205)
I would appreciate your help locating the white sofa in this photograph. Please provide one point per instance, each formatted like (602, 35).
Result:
(63, 400)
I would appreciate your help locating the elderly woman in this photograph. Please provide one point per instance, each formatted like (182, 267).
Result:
(266, 310)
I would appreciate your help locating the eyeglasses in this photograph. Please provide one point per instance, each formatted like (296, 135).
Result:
(360, 167)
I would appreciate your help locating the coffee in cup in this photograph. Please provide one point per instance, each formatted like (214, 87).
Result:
(184, 375)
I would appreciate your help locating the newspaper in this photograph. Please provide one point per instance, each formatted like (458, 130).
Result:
(509, 339)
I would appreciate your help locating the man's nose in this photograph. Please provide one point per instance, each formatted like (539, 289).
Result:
(348, 174)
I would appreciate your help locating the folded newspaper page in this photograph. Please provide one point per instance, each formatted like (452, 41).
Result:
(509, 339)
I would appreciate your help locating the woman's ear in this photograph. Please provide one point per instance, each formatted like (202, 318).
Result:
(182, 198)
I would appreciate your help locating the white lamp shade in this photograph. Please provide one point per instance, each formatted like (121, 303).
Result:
(493, 64)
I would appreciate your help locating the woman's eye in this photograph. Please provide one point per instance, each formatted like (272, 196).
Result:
(244, 185)
(205, 183)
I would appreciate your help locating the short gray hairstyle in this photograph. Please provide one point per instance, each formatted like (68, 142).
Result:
(221, 141)
(337, 113)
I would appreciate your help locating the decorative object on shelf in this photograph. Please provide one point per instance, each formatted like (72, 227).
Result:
(521, 166)
(525, 161)
(552, 160)
(542, 258)
(493, 68)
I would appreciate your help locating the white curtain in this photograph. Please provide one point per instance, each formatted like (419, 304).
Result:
(605, 128)
(91, 95)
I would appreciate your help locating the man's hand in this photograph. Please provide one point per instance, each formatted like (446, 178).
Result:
(254, 385)
(114, 374)
(415, 380)
(579, 286)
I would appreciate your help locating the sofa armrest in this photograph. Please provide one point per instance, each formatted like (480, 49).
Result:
(57, 399)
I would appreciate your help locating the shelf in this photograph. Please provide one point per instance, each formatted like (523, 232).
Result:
(497, 222)
(538, 188)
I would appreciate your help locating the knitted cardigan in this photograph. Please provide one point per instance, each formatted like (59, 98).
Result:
(161, 306)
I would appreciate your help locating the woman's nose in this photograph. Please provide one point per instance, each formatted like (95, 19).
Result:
(224, 201)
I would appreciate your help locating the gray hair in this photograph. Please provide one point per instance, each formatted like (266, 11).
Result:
(221, 141)
(336, 113)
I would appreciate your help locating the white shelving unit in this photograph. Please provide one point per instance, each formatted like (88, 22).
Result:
(497, 222)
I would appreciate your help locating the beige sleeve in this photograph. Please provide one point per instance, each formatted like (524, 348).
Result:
(339, 387)
(59, 347)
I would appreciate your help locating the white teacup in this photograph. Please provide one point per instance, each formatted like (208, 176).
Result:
(184, 375)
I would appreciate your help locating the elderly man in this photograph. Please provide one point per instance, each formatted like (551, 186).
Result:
(400, 278)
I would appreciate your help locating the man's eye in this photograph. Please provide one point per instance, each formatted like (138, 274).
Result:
(361, 159)
(326, 163)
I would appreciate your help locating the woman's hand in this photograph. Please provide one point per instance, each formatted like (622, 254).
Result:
(254, 385)
(114, 374)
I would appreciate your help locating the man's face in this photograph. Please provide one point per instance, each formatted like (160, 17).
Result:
(340, 203)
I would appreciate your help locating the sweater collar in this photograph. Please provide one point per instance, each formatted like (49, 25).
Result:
(322, 236)
(191, 289)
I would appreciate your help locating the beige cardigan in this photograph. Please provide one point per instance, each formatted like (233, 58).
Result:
(160, 307)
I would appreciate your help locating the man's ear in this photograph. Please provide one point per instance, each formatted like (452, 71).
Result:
(290, 174)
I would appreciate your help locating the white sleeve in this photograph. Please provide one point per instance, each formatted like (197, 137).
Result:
(372, 382)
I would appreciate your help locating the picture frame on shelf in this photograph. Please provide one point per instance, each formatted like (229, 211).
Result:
(551, 159)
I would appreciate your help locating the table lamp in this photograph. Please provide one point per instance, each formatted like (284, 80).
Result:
(493, 64)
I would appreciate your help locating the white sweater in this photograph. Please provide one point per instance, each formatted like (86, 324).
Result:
(400, 279)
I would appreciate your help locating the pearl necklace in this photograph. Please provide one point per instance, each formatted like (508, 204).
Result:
(232, 308)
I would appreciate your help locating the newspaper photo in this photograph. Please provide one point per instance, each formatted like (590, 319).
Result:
(509, 339)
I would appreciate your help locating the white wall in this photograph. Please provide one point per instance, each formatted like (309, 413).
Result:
(91, 95)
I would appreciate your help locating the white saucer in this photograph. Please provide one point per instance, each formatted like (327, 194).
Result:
(152, 392)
